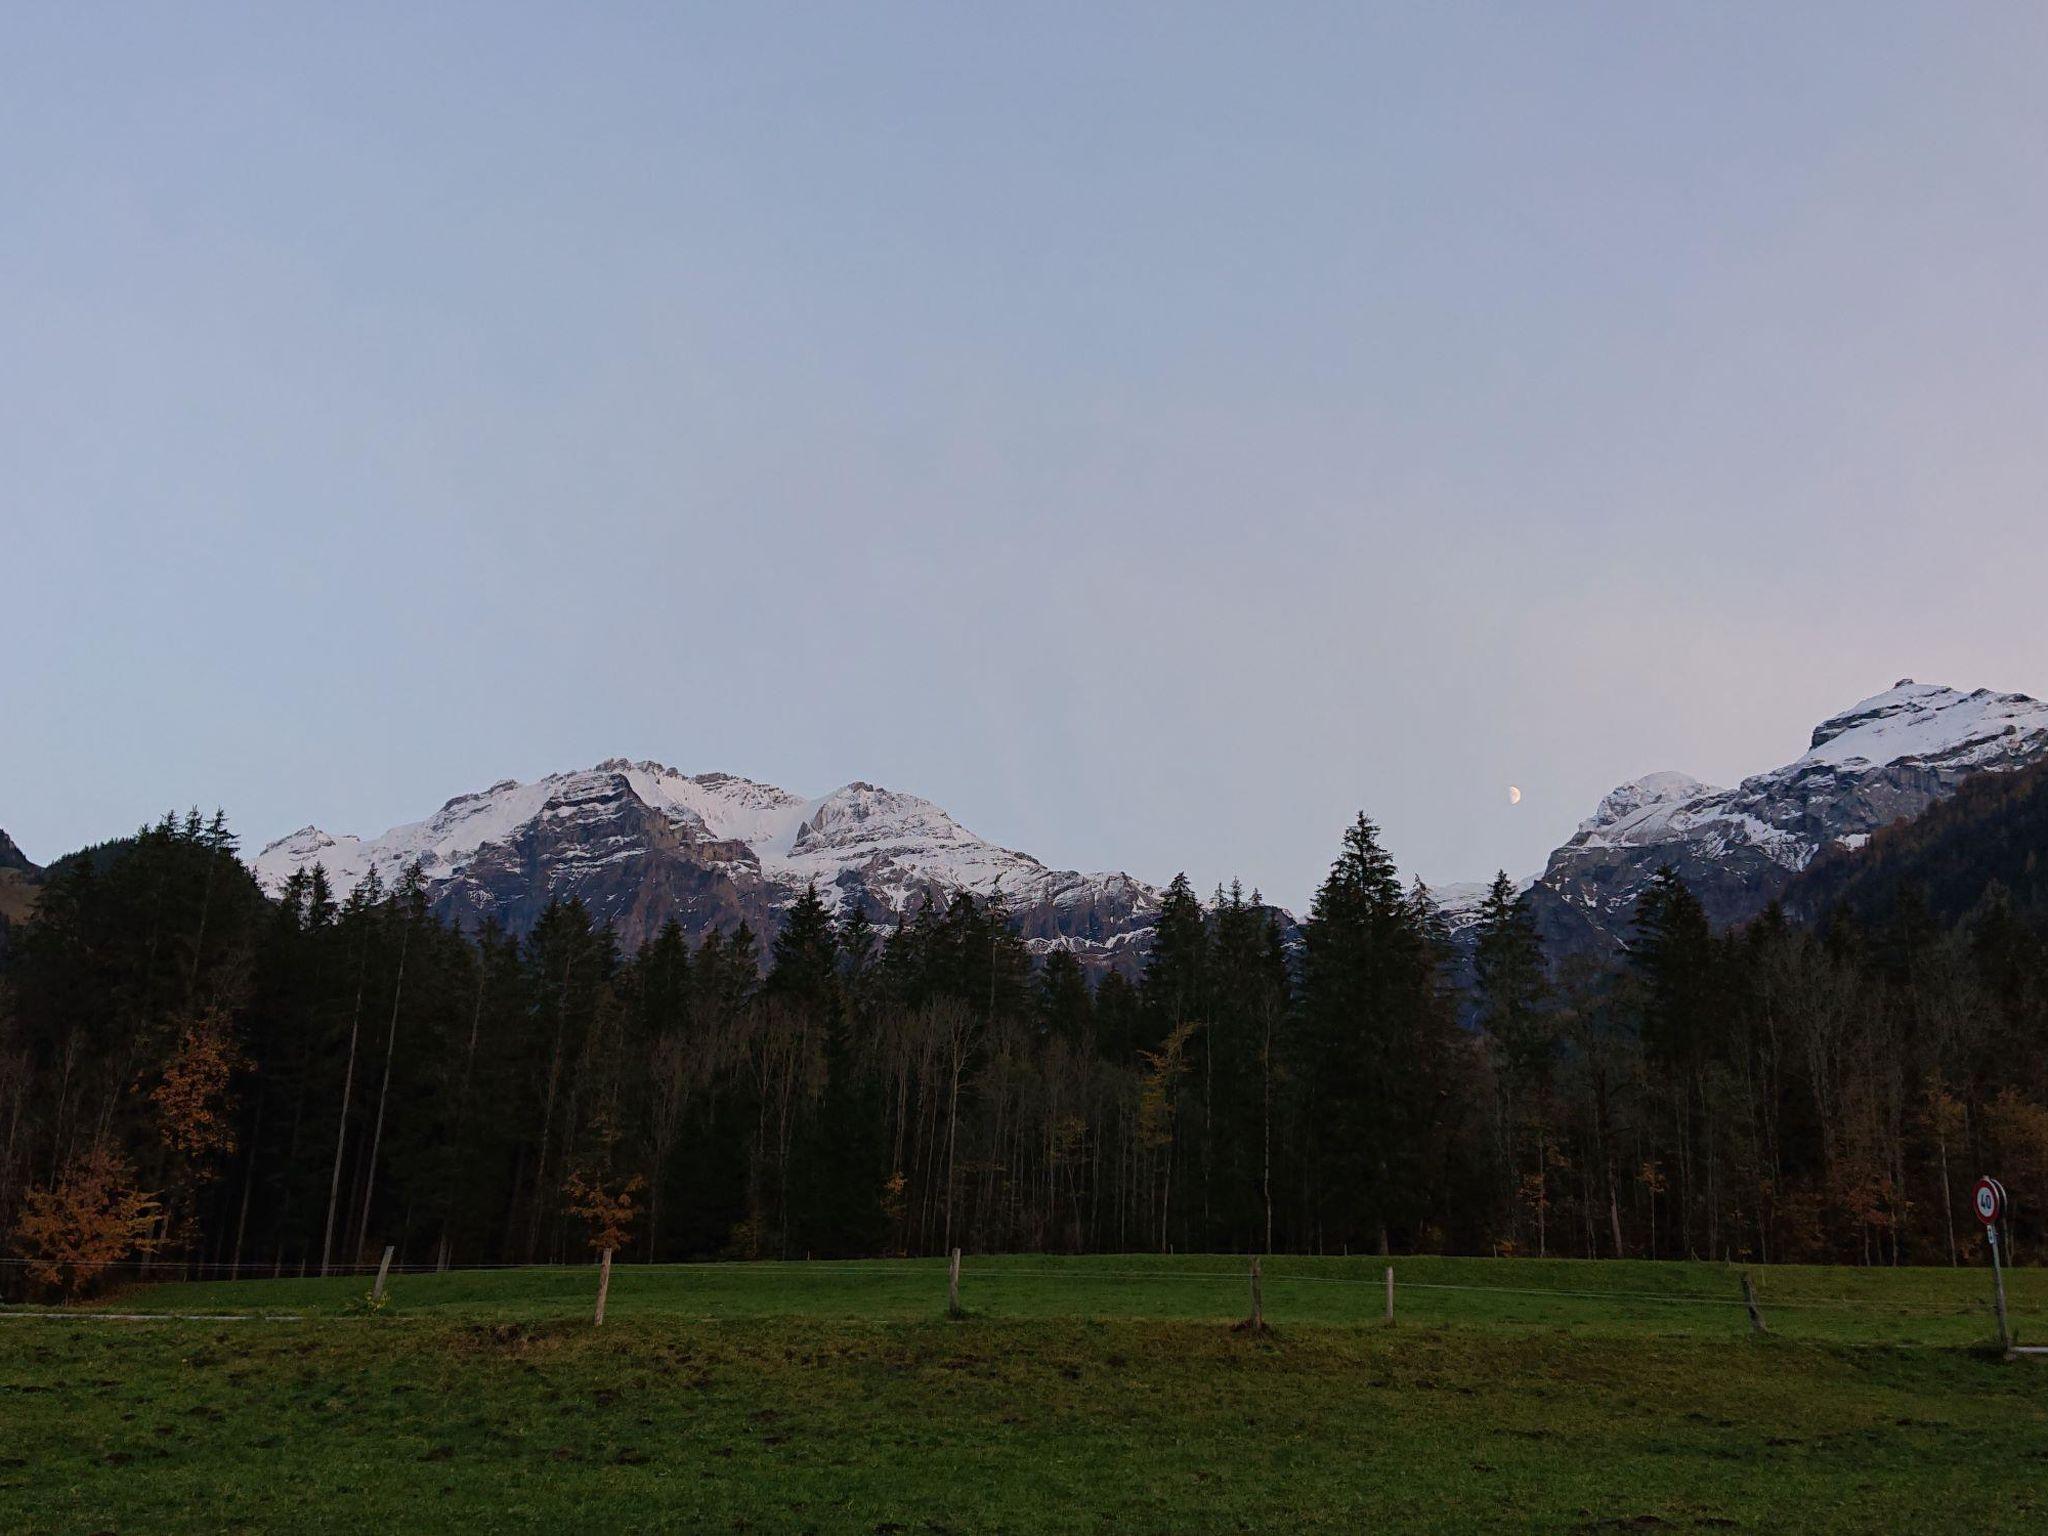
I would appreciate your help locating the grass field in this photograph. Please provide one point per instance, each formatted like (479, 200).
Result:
(1079, 1394)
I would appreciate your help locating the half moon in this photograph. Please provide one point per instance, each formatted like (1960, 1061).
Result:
(1514, 795)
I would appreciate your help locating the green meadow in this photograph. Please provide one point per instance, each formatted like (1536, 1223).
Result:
(1089, 1394)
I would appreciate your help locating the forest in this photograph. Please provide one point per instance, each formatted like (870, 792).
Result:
(194, 1074)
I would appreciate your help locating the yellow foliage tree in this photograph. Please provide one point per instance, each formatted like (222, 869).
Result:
(1163, 1068)
(1156, 1108)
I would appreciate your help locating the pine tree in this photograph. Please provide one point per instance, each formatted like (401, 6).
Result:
(1065, 1008)
(1375, 1037)
(1176, 980)
(1509, 992)
(1673, 953)
(804, 964)
(1671, 948)
(1510, 984)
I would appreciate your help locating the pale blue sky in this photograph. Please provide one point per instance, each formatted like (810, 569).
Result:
(1154, 433)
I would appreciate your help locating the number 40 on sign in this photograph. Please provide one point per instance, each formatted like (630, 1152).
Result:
(1989, 1199)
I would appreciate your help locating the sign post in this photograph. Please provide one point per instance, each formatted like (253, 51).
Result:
(1988, 1199)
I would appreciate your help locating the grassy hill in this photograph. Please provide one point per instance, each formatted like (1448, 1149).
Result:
(1079, 1394)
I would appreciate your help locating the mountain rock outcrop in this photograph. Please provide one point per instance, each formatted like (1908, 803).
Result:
(18, 881)
(640, 843)
(1881, 761)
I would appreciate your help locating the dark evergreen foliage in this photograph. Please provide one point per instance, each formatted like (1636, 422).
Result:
(327, 1072)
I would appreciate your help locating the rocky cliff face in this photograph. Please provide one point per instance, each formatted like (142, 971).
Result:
(1884, 760)
(640, 843)
(18, 881)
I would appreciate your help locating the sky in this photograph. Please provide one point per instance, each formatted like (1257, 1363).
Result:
(1155, 433)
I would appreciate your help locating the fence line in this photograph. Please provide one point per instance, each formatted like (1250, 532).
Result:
(1079, 1273)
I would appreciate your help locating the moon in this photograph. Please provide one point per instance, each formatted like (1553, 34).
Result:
(1514, 795)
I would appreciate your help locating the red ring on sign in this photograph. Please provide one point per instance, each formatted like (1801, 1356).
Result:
(1988, 1200)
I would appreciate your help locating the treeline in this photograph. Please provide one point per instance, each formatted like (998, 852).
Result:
(191, 1072)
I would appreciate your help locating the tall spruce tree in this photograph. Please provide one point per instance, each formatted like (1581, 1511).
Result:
(1176, 981)
(1374, 1037)
(1510, 984)
(1509, 996)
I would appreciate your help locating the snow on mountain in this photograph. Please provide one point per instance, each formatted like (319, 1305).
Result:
(1642, 805)
(1458, 901)
(1929, 723)
(1884, 759)
(640, 843)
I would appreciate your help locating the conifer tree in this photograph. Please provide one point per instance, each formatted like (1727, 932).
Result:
(1375, 1034)
(1065, 1007)
(1509, 995)
(1177, 965)
(1672, 949)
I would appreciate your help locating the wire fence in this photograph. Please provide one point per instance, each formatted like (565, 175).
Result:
(1907, 1304)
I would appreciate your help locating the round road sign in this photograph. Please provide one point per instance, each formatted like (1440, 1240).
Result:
(1988, 1200)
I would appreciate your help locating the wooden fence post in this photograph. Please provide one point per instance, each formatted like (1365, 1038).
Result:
(1756, 1312)
(953, 1286)
(1390, 1295)
(604, 1285)
(383, 1270)
(1258, 1301)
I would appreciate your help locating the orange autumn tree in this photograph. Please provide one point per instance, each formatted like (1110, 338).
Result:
(91, 1219)
(606, 1205)
(606, 1211)
(194, 1110)
(195, 1121)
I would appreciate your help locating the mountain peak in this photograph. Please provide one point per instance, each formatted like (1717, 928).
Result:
(638, 842)
(1926, 721)
(11, 856)
(1881, 760)
(1626, 807)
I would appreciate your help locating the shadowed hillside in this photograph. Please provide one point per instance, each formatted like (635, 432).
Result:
(1993, 831)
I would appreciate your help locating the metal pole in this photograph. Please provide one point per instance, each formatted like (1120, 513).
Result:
(1998, 1281)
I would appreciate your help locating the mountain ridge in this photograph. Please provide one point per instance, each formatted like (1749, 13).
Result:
(1885, 759)
(640, 842)
(19, 879)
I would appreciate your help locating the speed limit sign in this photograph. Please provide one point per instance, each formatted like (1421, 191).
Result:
(1989, 1200)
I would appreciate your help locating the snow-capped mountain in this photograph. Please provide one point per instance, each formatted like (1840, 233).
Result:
(1877, 762)
(640, 843)
(1458, 902)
